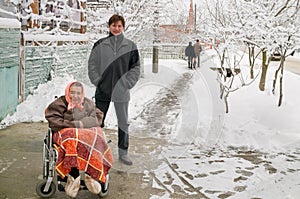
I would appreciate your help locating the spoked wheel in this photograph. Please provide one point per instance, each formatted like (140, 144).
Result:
(40, 189)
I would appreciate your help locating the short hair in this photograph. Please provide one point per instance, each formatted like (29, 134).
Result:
(116, 18)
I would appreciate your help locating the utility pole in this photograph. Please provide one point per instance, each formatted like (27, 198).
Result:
(156, 39)
(82, 17)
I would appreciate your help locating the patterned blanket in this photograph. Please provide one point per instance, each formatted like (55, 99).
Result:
(85, 149)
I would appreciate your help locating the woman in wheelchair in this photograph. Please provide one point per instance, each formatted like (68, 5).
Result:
(75, 122)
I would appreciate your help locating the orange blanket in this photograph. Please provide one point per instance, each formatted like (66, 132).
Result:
(85, 149)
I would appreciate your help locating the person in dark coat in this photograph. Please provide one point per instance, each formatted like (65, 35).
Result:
(114, 68)
(190, 53)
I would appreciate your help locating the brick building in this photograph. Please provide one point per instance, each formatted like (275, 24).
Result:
(174, 33)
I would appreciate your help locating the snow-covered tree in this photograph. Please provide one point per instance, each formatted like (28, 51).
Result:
(142, 18)
(263, 26)
(272, 27)
(52, 16)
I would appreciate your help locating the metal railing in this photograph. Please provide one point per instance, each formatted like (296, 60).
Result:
(166, 51)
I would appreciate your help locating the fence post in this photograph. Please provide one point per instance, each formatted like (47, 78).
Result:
(155, 59)
(142, 62)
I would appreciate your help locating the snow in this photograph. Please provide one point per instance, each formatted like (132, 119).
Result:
(55, 37)
(9, 23)
(251, 152)
(254, 124)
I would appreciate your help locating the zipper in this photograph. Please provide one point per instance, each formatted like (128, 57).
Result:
(115, 46)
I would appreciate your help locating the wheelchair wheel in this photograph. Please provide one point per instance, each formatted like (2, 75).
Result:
(103, 193)
(40, 189)
(104, 190)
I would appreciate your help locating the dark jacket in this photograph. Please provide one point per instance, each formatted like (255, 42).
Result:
(189, 50)
(114, 68)
(59, 117)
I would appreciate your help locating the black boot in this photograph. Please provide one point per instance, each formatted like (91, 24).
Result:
(123, 157)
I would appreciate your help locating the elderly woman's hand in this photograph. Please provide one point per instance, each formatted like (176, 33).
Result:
(80, 124)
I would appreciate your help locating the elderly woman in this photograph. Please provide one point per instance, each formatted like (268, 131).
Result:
(73, 110)
(79, 140)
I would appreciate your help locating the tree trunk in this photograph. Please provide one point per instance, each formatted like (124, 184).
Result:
(226, 103)
(222, 70)
(280, 89)
(251, 61)
(282, 60)
(223, 60)
(265, 65)
(275, 78)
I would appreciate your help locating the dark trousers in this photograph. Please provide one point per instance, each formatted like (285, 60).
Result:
(190, 61)
(121, 109)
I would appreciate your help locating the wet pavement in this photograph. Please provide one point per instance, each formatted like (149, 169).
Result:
(153, 173)
(21, 148)
(21, 168)
(21, 163)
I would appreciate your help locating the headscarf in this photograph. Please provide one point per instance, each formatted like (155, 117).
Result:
(67, 95)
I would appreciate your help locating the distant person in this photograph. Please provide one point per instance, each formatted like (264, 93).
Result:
(198, 49)
(114, 68)
(190, 53)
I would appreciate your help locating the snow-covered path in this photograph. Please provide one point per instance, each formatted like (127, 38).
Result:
(185, 146)
(192, 164)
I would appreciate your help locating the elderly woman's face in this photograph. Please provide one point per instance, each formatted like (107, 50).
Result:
(116, 28)
(75, 94)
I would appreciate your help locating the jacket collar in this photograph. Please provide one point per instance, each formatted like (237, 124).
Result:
(119, 39)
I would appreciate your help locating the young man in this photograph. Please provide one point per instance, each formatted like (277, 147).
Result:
(114, 68)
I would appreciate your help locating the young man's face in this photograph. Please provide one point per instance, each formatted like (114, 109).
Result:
(116, 28)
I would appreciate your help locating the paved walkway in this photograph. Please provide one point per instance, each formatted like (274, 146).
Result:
(240, 171)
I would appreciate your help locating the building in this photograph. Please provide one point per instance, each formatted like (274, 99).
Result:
(172, 33)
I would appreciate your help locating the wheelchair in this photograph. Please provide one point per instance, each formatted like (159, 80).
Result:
(51, 181)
